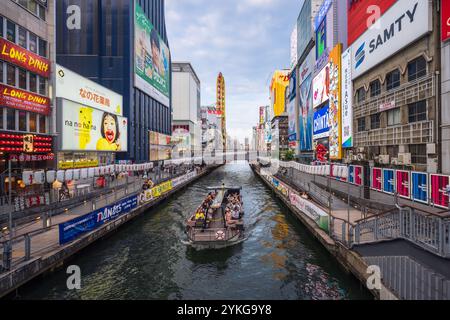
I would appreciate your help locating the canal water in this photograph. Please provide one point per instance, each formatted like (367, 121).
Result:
(148, 258)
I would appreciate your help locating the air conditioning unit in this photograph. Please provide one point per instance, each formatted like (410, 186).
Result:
(431, 148)
(383, 159)
(361, 157)
(361, 150)
(404, 159)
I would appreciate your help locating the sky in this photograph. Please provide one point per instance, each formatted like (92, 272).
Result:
(246, 40)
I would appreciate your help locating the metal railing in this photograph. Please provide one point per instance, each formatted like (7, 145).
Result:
(430, 231)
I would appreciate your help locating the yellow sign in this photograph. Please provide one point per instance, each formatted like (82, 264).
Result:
(280, 81)
(161, 189)
(334, 112)
(63, 165)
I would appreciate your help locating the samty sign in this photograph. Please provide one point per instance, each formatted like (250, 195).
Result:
(11, 52)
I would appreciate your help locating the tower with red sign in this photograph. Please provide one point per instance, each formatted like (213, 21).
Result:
(221, 108)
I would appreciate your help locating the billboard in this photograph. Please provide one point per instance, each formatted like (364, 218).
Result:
(73, 87)
(419, 187)
(87, 129)
(321, 87)
(389, 181)
(445, 19)
(405, 22)
(321, 39)
(403, 183)
(335, 103)
(304, 24)
(347, 99)
(151, 59)
(23, 100)
(294, 53)
(306, 114)
(292, 117)
(440, 190)
(321, 123)
(362, 14)
(280, 81)
(376, 179)
(23, 58)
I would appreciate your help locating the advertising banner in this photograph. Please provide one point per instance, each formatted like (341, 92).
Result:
(403, 179)
(445, 21)
(294, 56)
(73, 87)
(162, 189)
(292, 117)
(183, 179)
(439, 190)
(28, 60)
(334, 112)
(321, 39)
(402, 24)
(362, 14)
(389, 181)
(310, 209)
(87, 129)
(23, 100)
(356, 175)
(321, 123)
(151, 59)
(376, 177)
(419, 187)
(347, 99)
(73, 229)
(321, 15)
(321, 87)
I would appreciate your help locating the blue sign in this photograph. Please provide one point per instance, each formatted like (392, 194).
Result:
(321, 123)
(419, 182)
(388, 181)
(321, 15)
(72, 229)
(351, 174)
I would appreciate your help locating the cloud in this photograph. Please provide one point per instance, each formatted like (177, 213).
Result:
(246, 40)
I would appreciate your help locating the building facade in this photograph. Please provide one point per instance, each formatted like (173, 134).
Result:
(186, 103)
(445, 87)
(396, 105)
(27, 114)
(123, 46)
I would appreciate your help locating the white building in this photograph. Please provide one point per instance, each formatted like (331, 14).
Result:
(186, 124)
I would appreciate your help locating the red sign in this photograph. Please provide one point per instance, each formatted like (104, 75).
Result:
(439, 195)
(377, 179)
(28, 60)
(403, 184)
(25, 143)
(364, 13)
(445, 14)
(23, 100)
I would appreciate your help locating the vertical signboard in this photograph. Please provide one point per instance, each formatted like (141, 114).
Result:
(335, 103)
(388, 181)
(376, 179)
(347, 99)
(445, 19)
(294, 56)
(356, 173)
(321, 87)
(439, 189)
(306, 111)
(419, 187)
(403, 183)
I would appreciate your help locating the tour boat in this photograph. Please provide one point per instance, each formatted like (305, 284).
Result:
(213, 230)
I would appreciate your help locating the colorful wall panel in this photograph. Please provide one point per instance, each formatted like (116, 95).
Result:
(389, 181)
(377, 179)
(419, 187)
(403, 183)
(439, 195)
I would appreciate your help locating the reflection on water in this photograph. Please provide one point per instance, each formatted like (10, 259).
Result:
(148, 258)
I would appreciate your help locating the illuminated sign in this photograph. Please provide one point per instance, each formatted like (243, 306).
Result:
(347, 99)
(11, 52)
(73, 87)
(321, 123)
(445, 19)
(335, 104)
(23, 100)
(25, 143)
(321, 87)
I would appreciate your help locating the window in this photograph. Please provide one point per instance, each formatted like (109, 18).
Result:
(361, 124)
(23, 37)
(10, 119)
(22, 120)
(33, 122)
(361, 95)
(393, 117)
(42, 86)
(11, 31)
(42, 48)
(417, 69)
(393, 80)
(375, 88)
(42, 12)
(392, 151)
(417, 111)
(33, 82)
(375, 121)
(32, 6)
(418, 153)
(1, 26)
(22, 79)
(33, 43)
(42, 124)
(1, 72)
(11, 75)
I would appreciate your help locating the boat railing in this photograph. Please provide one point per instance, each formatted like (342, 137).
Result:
(211, 234)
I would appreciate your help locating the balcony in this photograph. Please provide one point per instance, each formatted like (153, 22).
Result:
(421, 89)
(413, 133)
